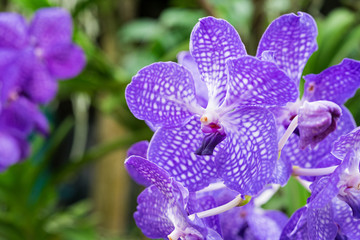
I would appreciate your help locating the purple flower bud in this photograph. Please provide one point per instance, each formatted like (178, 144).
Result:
(316, 121)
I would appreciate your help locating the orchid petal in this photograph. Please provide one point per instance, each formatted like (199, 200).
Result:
(173, 149)
(337, 83)
(292, 39)
(186, 60)
(162, 93)
(51, 26)
(64, 60)
(345, 143)
(13, 31)
(212, 42)
(247, 160)
(256, 82)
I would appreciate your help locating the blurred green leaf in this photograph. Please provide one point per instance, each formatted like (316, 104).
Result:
(350, 47)
(177, 17)
(142, 30)
(32, 5)
(332, 33)
(289, 198)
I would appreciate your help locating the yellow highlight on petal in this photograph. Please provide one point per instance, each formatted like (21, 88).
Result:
(245, 201)
(203, 119)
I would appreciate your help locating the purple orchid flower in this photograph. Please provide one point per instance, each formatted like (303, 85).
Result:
(334, 205)
(161, 212)
(207, 113)
(36, 55)
(343, 183)
(320, 114)
(326, 216)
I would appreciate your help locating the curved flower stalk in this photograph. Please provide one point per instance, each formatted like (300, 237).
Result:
(248, 221)
(33, 57)
(207, 110)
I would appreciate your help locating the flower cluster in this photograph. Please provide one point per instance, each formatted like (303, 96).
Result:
(230, 127)
(33, 57)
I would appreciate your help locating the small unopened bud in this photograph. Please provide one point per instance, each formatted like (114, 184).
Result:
(317, 120)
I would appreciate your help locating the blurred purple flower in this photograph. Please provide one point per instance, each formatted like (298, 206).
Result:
(34, 56)
(17, 121)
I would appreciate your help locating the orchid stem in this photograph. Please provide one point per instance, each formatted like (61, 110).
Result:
(237, 201)
(293, 125)
(298, 171)
(304, 183)
(213, 187)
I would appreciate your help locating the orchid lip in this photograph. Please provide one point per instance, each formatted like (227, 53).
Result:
(209, 143)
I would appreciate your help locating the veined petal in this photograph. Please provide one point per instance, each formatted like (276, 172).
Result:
(267, 225)
(212, 42)
(320, 223)
(292, 38)
(253, 81)
(13, 31)
(162, 93)
(247, 160)
(202, 203)
(173, 149)
(51, 26)
(153, 221)
(353, 200)
(282, 172)
(64, 60)
(311, 157)
(337, 83)
(345, 143)
(152, 173)
(296, 227)
(343, 216)
(201, 91)
(323, 191)
(138, 149)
